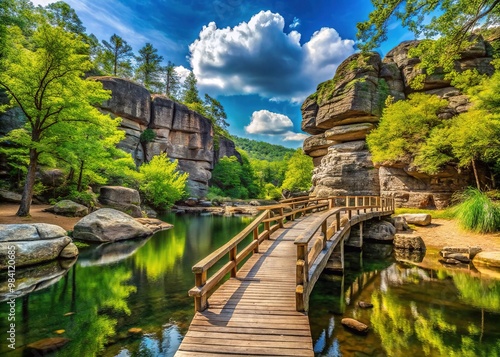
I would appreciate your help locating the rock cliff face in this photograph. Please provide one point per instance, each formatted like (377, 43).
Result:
(179, 132)
(344, 109)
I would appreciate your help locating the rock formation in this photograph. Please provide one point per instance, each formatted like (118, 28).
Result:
(179, 132)
(344, 109)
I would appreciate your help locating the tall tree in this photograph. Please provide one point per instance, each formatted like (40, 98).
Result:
(299, 172)
(63, 15)
(149, 67)
(172, 81)
(216, 113)
(452, 24)
(46, 82)
(190, 90)
(118, 53)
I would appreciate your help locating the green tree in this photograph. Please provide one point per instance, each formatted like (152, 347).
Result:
(149, 67)
(62, 15)
(226, 175)
(161, 183)
(46, 82)
(299, 172)
(172, 81)
(190, 90)
(18, 13)
(115, 59)
(404, 127)
(452, 24)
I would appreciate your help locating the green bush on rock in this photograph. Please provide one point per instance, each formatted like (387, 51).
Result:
(161, 183)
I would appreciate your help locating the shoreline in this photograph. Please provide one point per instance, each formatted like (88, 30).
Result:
(440, 233)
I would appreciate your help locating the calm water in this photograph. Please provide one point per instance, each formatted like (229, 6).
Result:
(144, 284)
(115, 287)
(417, 312)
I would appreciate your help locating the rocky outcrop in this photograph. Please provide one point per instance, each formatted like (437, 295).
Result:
(179, 132)
(121, 198)
(109, 225)
(346, 108)
(31, 243)
(409, 241)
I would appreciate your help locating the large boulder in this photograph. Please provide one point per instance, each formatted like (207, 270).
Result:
(9, 196)
(32, 243)
(70, 208)
(409, 241)
(227, 148)
(350, 132)
(109, 225)
(489, 259)
(121, 198)
(379, 230)
(419, 219)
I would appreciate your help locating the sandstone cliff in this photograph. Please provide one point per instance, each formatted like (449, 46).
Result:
(344, 109)
(179, 132)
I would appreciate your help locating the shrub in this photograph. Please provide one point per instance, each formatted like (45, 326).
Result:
(161, 183)
(477, 212)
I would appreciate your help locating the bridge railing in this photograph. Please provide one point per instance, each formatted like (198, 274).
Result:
(272, 218)
(312, 258)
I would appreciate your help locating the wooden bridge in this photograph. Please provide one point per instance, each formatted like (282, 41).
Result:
(262, 309)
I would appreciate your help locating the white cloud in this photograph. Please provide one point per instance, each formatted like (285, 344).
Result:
(264, 122)
(269, 123)
(291, 136)
(182, 72)
(295, 23)
(258, 57)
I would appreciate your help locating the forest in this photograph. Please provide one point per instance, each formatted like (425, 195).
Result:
(47, 61)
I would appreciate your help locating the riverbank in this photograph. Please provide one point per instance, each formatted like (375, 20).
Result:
(439, 234)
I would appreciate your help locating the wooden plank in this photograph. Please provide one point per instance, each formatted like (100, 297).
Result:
(247, 351)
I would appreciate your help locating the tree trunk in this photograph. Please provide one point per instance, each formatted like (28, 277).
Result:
(476, 174)
(24, 208)
(79, 185)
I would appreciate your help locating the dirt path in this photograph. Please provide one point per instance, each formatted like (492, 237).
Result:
(446, 233)
(8, 216)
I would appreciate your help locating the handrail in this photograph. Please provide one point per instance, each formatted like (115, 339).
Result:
(307, 254)
(204, 285)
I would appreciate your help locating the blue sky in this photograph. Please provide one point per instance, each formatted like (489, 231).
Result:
(260, 59)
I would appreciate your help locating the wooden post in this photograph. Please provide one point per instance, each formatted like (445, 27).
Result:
(361, 234)
(337, 217)
(324, 229)
(301, 277)
(331, 203)
(200, 302)
(256, 238)
(232, 257)
(281, 217)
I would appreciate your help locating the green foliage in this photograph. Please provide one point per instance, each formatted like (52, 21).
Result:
(271, 192)
(230, 178)
(86, 198)
(161, 183)
(149, 68)
(261, 150)
(452, 25)
(404, 127)
(299, 172)
(477, 212)
(147, 136)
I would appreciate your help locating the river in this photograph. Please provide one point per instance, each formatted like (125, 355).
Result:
(116, 288)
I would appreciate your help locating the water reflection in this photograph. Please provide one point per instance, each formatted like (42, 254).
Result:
(417, 312)
(115, 287)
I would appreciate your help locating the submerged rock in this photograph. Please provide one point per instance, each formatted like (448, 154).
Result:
(489, 259)
(49, 344)
(355, 325)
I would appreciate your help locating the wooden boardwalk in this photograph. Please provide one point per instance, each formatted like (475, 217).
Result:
(254, 313)
(260, 310)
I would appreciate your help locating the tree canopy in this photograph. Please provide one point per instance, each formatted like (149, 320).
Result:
(451, 24)
(149, 68)
(45, 79)
(116, 56)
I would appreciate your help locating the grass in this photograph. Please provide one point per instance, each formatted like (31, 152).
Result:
(80, 244)
(477, 212)
(438, 214)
